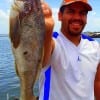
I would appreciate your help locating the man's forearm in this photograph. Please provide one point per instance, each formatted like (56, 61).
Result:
(97, 84)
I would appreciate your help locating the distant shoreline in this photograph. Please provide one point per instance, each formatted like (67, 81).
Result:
(91, 35)
(95, 36)
(4, 35)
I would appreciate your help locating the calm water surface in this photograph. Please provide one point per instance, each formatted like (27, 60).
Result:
(9, 82)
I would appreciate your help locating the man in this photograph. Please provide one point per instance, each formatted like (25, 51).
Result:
(71, 59)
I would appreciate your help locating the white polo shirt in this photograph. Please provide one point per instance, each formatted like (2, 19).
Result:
(71, 70)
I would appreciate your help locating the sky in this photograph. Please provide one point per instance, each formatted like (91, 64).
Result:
(93, 21)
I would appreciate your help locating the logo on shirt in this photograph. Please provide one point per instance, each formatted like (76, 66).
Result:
(78, 59)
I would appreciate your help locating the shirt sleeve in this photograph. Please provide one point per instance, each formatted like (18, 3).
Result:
(97, 45)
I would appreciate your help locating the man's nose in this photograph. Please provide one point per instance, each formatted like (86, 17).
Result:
(77, 16)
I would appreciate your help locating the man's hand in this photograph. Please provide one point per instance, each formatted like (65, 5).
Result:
(49, 22)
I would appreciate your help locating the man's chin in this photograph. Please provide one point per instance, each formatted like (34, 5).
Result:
(75, 33)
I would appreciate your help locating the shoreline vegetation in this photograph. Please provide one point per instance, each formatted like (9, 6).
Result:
(91, 34)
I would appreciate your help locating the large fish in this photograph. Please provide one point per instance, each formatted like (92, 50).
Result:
(27, 32)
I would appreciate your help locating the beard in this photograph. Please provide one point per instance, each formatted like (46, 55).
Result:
(75, 31)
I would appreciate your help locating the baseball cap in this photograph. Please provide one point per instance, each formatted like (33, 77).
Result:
(84, 2)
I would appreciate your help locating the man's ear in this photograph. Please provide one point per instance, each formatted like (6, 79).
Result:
(59, 16)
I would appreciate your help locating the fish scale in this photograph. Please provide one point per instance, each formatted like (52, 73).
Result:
(27, 32)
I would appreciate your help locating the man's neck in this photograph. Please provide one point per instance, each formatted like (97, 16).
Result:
(74, 39)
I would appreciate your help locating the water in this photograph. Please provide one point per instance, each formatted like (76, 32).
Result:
(98, 39)
(9, 82)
